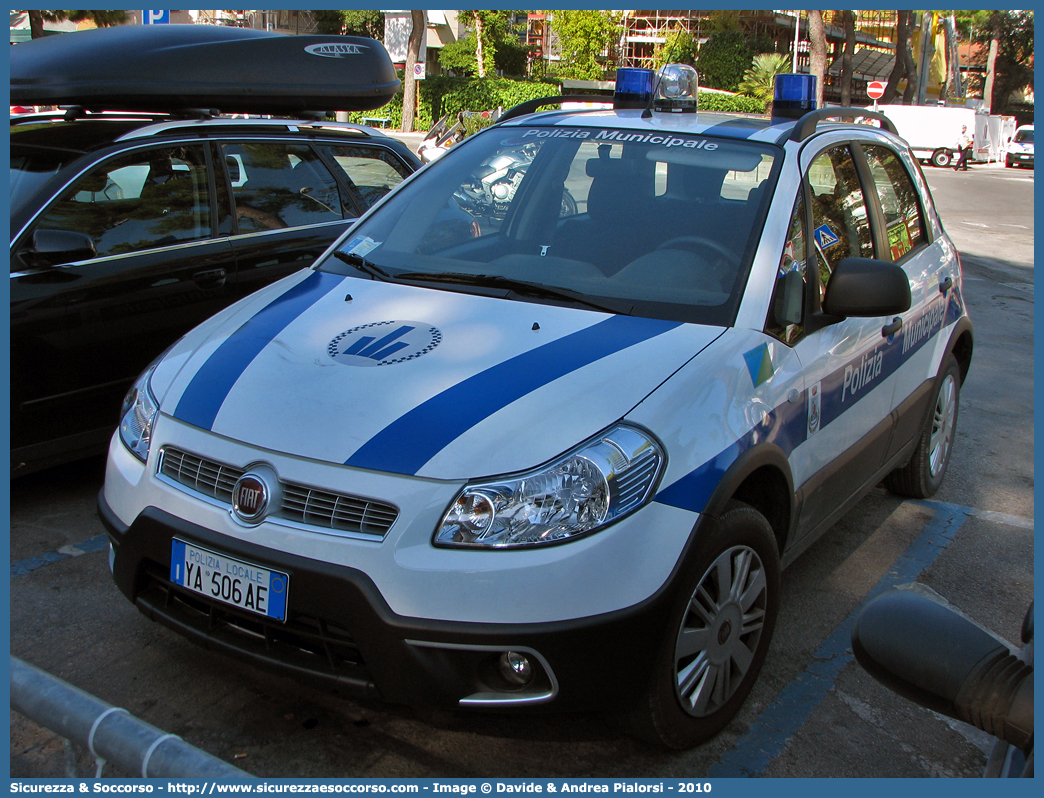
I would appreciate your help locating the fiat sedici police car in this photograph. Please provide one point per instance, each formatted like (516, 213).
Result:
(542, 430)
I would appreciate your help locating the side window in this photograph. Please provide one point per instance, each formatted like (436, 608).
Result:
(148, 199)
(787, 312)
(840, 225)
(904, 218)
(276, 185)
(372, 172)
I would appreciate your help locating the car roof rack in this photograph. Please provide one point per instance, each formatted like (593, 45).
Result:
(806, 125)
(269, 125)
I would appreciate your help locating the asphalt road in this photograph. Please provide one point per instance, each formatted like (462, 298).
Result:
(813, 713)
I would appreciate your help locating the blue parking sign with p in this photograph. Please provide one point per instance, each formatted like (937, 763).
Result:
(155, 17)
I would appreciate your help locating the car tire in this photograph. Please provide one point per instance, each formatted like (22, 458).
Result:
(922, 476)
(941, 158)
(717, 637)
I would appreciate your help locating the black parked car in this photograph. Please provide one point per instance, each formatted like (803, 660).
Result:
(129, 228)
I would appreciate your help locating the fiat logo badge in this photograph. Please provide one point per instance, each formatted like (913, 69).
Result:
(252, 495)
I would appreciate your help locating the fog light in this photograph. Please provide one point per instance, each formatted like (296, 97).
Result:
(515, 668)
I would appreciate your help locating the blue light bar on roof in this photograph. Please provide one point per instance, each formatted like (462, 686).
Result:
(795, 96)
(634, 88)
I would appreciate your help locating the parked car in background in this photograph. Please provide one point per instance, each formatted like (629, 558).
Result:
(128, 228)
(1020, 151)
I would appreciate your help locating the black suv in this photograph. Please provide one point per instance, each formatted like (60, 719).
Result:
(129, 229)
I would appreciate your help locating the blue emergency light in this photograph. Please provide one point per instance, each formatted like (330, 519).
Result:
(674, 87)
(634, 88)
(795, 96)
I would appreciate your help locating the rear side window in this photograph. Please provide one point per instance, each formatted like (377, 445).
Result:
(277, 185)
(840, 225)
(904, 219)
(147, 199)
(372, 173)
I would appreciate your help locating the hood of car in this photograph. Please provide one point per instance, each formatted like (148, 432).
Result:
(414, 380)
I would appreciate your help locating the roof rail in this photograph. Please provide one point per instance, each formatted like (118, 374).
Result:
(806, 125)
(160, 127)
(529, 106)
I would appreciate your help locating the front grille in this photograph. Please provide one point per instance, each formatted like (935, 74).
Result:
(203, 476)
(313, 507)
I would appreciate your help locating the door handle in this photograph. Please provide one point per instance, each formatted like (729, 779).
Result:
(893, 328)
(946, 284)
(213, 278)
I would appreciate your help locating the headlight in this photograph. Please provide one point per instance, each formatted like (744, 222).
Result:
(138, 415)
(595, 484)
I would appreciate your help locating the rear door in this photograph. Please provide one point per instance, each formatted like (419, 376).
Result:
(932, 270)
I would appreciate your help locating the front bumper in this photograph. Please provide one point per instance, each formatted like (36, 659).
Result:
(1020, 158)
(341, 632)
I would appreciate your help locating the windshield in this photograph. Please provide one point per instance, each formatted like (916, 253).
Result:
(649, 224)
(31, 168)
(1024, 136)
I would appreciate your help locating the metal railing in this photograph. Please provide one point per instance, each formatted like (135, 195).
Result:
(111, 734)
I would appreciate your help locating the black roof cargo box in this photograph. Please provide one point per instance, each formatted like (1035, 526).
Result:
(169, 68)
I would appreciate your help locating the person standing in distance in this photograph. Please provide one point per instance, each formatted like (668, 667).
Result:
(964, 144)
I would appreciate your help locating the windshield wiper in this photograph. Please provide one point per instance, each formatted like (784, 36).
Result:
(363, 265)
(521, 287)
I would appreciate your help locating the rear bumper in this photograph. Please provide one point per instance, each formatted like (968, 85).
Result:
(341, 633)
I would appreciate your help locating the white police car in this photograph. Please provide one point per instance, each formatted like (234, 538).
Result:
(554, 453)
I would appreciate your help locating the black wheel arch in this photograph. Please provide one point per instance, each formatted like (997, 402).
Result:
(760, 477)
(961, 344)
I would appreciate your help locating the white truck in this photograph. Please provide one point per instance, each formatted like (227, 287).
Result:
(932, 130)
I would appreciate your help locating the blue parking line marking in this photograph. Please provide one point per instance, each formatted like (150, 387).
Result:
(768, 736)
(30, 564)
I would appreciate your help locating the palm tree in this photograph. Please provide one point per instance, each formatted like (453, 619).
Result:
(760, 79)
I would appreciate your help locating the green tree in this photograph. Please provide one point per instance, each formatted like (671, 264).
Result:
(723, 60)
(679, 47)
(351, 23)
(1006, 39)
(588, 41)
(102, 19)
(760, 80)
(500, 45)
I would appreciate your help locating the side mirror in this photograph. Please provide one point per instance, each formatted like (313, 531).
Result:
(866, 288)
(55, 247)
